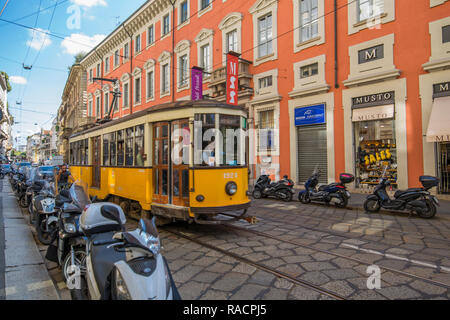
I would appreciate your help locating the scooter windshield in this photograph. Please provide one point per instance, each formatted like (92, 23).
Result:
(78, 193)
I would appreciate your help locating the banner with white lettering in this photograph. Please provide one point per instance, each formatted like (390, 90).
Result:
(232, 78)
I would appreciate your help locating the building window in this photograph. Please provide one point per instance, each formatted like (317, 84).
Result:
(183, 11)
(183, 68)
(205, 57)
(97, 107)
(106, 103)
(90, 75)
(138, 44)
(107, 65)
(126, 50)
(446, 34)
(265, 82)
(116, 104)
(309, 70)
(166, 24)
(125, 95)
(369, 8)
(137, 90)
(232, 41)
(266, 133)
(265, 35)
(151, 35)
(116, 58)
(308, 20)
(90, 109)
(204, 4)
(150, 85)
(98, 70)
(165, 78)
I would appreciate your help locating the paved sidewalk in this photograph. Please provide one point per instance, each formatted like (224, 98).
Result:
(23, 271)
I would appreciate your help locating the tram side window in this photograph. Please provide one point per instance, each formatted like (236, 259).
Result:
(205, 153)
(139, 146)
(129, 147)
(185, 183)
(228, 127)
(86, 152)
(120, 148)
(72, 153)
(76, 151)
(106, 150)
(112, 149)
(82, 151)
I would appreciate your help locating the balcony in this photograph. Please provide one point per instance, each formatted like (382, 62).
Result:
(219, 79)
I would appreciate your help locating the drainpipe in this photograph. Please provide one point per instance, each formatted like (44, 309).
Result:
(336, 68)
(131, 69)
(172, 2)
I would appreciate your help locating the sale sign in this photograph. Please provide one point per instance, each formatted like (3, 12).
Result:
(197, 84)
(232, 78)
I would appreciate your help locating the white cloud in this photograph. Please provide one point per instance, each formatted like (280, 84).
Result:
(17, 80)
(78, 42)
(89, 3)
(39, 39)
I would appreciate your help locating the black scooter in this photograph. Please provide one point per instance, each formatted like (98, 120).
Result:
(416, 200)
(282, 189)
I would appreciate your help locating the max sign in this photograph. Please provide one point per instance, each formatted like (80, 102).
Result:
(232, 78)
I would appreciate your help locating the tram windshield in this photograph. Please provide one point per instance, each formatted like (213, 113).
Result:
(219, 140)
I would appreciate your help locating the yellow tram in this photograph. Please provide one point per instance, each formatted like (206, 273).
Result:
(166, 161)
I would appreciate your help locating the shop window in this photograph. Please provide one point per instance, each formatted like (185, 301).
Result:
(309, 70)
(266, 125)
(375, 149)
(129, 147)
(139, 146)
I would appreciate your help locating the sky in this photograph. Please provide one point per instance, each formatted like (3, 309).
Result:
(79, 26)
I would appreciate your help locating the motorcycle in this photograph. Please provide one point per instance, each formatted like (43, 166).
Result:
(69, 246)
(282, 189)
(334, 193)
(120, 265)
(416, 200)
(45, 219)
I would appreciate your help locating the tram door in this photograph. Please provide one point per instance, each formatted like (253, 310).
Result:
(96, 173)
(170, 178)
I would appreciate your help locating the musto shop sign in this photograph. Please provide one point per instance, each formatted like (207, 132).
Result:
(373, 107)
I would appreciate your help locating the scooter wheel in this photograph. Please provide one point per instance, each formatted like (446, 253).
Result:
(304, 198)
(257, 194)
(342, 204)
(372, 206)
(430, 213)
(23, 201)
(288, 196)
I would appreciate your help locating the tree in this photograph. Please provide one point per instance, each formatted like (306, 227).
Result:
(79, 56)
(8, 86)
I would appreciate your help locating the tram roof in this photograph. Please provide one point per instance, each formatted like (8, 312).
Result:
(163, 107)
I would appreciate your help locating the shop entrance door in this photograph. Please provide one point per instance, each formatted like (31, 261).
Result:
(444, 167)
(312, 151)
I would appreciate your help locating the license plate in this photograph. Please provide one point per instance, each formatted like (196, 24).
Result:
(48, 205)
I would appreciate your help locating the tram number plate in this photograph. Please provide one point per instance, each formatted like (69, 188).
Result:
(230, 175)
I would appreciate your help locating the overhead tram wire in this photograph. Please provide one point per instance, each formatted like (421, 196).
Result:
(6, 3)
(36, 67)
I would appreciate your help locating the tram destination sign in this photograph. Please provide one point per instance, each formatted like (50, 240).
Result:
(377, 99)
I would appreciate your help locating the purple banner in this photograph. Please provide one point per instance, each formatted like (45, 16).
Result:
(197, 84)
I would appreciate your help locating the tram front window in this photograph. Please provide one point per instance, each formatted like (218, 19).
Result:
(229, 128)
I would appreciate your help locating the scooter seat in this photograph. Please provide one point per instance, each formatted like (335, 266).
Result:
(103, 258)
(322, 188)
(399, 193)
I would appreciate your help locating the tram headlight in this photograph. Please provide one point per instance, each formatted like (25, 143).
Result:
(231, 188)
(200, 198)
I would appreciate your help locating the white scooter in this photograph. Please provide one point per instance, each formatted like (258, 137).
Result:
(121, 265)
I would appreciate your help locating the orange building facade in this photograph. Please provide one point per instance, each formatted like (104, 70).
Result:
(345, 85)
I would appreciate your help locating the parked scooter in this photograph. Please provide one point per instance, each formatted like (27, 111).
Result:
(416, 200)
(69, 246)
(334, 193)
(282, 189)
(45, 213)
(121, 265)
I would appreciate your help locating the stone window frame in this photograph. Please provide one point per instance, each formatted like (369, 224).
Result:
(440, 52)
(91, 75)
(125, 79)
(188, 20)
(434, 3)
(313, 84)
(107, 65)
(163, 15)
(125, 58)
(206, 9)
(204, 37)
(257, 109)
(164, 59)
(105, 91)
(354, 25)
(137, 75)
(98, 102)
(138, 35)
(148, 44)
(258, 10)
(377, 70)
(320, 39)
(183, 48)
(149, 66)
(231, 22)
(115, 66)
(90, 105)
(271, 90)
